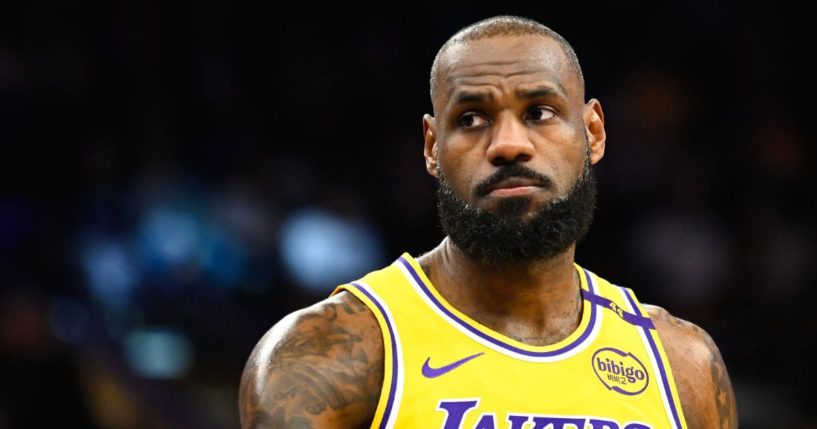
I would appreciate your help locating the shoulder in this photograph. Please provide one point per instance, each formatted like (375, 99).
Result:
(319, 366)
(700, 374)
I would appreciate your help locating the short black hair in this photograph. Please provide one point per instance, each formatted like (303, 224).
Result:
(505, 25)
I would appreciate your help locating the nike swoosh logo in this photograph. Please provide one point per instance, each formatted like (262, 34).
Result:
(429, 372)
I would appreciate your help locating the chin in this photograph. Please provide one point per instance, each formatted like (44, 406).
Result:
(516, 208)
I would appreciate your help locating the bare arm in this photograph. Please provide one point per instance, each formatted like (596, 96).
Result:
(700, 374)
(320, 367)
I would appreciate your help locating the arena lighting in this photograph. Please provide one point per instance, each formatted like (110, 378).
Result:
(321, 250)
(159, 353)
(109, 269)
(172, 238)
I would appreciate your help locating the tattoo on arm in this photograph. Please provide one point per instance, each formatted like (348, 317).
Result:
(320, 366)
(724, 396)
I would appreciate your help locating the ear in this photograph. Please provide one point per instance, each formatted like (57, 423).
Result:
(430, 145)
(594, 128)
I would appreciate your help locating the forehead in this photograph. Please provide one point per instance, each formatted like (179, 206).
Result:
(529, 60)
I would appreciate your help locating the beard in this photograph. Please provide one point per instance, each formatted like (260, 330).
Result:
(505, 236)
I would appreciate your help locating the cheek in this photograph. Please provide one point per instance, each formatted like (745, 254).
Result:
(461, 164)
(565, 160)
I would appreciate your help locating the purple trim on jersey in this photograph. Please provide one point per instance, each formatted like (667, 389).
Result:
(495, 341)
(661, 369)
(393, 387)
(631, 318)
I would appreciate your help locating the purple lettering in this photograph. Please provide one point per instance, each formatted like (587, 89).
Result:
(488, 421)
(558, 422)
(602, 366)
(456, 412)
(517, 421)
(457, 409)
(630, 373)
(602, 424)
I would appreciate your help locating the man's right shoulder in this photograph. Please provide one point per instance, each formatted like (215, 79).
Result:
(321, 366)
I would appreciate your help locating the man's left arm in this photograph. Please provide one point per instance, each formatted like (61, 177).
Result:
(703, 384)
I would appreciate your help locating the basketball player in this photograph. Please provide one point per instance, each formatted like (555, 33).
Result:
(497, 327)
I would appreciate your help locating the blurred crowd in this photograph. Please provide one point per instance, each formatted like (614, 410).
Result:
(179, 177)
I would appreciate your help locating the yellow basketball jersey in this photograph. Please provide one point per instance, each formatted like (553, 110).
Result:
(446, 370)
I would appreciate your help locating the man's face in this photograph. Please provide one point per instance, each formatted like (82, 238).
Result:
(510, 143)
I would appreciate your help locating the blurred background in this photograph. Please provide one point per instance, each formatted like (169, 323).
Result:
(177, 176)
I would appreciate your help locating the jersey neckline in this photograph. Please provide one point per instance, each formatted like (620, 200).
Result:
(573, 343)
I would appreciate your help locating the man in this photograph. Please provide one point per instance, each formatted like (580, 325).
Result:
(497, 327)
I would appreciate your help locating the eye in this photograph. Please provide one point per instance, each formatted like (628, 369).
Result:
(540, 113)
(472, 120)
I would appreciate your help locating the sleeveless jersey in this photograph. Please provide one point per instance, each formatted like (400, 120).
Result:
(446, 370)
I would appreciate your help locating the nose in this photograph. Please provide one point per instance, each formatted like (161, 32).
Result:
(510, 142)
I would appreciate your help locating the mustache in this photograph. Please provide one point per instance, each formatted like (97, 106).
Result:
(506, 172)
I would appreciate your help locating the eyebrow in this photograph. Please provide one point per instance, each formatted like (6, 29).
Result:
(469, 97)
(539, 92)
(466, 97)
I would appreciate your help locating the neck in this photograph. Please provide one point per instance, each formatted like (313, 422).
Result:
(536, 303)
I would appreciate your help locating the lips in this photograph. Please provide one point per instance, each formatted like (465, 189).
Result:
(512, 179)
(513, 186)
